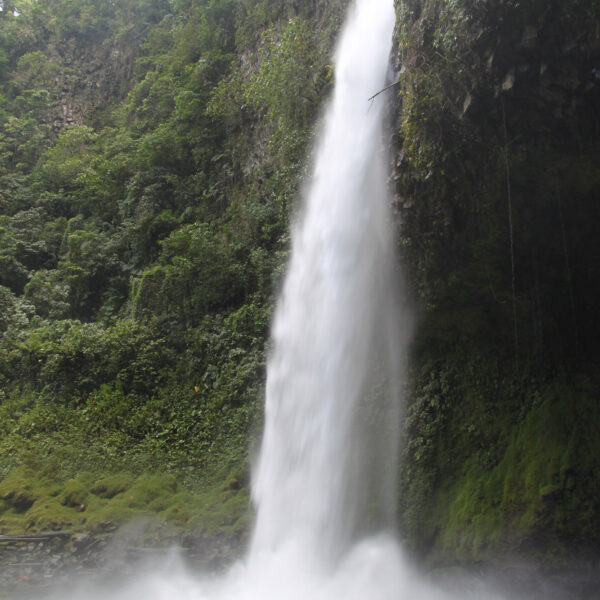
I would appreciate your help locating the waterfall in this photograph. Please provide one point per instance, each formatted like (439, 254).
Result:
(335, 324)
(324, 486)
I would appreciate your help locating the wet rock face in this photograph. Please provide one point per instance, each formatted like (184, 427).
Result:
(487, 88)
(51, 560)
(514, 580)
(31, 561)
(496, 162)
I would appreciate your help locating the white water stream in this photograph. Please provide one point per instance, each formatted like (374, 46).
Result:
(335, 316)
(324, 485)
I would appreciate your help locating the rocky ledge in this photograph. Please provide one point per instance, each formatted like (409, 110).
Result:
(32, 564)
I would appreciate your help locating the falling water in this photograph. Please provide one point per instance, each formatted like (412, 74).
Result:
(334, 315)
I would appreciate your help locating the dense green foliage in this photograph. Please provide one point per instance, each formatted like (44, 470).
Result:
(150, 152)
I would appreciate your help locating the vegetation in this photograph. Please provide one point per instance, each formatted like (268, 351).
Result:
(150, 155)
(34, 502)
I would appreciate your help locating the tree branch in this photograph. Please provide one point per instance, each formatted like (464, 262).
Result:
(385, 89)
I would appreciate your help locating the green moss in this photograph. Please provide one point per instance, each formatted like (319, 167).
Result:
(148, 490)
(180, 509)
(228, 512)
(110, 486)
(504, 484)
(33, 502)
(11, 522)
(47, 514)
(75, 493)
(18, 490)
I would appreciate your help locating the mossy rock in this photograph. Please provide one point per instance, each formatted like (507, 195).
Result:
(48, 514)
(222, 511)
(109, 487)
(75, 493)
(18, 490)
(180, 509)
(31, 502)
(54, 490)
(149, 489)
(11, 522)
(236, 480)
